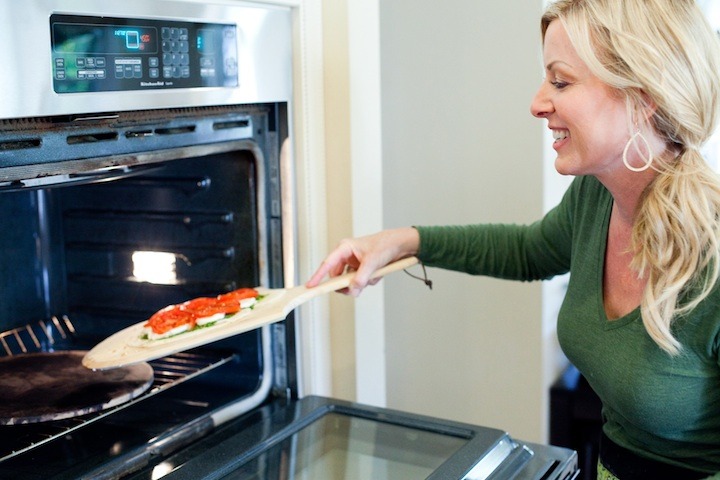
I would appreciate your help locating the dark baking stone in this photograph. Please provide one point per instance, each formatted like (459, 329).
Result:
(42, 387)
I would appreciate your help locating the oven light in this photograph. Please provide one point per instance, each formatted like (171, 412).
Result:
(154, 267)
(116, 448)
(161, 469)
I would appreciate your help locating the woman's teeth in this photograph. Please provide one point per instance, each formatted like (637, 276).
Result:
(559, 134)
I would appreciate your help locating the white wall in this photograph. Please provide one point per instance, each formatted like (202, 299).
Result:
(459, 146)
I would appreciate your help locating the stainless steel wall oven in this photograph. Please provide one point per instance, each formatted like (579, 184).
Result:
(145, 160)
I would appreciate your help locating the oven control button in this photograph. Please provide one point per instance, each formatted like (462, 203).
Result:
(230, 67)
(131, 67)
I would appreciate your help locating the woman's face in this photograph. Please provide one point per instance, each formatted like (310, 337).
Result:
(589, 123)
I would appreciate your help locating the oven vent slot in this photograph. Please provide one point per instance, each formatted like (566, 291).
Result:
(139, 133)
(231, 124)
(20, 144)
(38, 148)
(175, 130)
(92, 138)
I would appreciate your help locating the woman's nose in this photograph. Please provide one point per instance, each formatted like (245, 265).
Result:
(541, 106)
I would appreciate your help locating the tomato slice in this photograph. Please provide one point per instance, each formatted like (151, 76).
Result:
(187, 313)
(237, 295)
(170, 317)
(207, 307)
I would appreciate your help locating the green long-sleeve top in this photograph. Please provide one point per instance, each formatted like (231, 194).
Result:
(658, 406)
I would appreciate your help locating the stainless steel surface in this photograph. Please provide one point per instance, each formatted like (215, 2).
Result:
(72, 139)
(264, 56)
(325, 438)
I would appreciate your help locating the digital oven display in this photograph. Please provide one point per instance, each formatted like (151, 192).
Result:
(94, 54)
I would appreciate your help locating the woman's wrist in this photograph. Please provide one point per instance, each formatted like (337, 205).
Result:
(409, 241)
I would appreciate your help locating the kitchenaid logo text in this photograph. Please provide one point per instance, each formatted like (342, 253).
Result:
(155, 84)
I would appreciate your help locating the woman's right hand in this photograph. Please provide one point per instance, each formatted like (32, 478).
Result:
(365, 255)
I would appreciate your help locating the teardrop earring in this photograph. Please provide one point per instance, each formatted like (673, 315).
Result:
(632, 141)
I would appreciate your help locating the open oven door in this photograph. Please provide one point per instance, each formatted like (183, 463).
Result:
(320, 438)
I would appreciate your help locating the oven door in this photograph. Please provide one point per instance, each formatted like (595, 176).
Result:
(321, 438)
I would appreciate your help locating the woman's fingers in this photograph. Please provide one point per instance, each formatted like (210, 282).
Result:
(333, 265)
(366, 255)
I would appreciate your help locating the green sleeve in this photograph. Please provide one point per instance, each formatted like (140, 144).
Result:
(537, 251)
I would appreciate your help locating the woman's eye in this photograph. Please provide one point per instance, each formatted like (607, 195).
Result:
(559, 85)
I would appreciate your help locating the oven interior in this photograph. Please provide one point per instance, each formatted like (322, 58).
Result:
(168, 206)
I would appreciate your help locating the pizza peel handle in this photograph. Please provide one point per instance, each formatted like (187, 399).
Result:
(301, 293)
(126, 346)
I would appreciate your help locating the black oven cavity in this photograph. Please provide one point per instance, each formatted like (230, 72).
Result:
(108, 219)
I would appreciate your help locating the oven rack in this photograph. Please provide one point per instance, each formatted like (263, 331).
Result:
(168, 372)
(36, 337)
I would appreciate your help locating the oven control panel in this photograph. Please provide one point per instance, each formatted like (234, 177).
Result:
(101, 54)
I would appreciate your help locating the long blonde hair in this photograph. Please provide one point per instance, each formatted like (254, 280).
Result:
(662, 55)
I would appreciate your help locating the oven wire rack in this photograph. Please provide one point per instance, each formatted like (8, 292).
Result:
(43, 335)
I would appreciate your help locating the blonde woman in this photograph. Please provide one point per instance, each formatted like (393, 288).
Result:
(631, 94)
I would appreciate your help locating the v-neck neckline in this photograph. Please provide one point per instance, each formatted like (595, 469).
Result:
(600, 291)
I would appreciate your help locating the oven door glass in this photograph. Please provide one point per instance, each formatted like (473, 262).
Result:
(323, 438)
(343, 446)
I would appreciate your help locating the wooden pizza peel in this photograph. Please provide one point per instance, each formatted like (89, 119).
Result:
(126, 347)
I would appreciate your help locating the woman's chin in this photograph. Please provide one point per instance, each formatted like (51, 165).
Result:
(564, 167)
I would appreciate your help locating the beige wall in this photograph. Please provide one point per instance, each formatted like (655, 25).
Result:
(337, 152)
(458, 145)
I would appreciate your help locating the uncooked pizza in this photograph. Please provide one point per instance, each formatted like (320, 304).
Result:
(198, 313)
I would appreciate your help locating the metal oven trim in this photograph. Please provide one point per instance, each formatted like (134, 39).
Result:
(264, 49)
